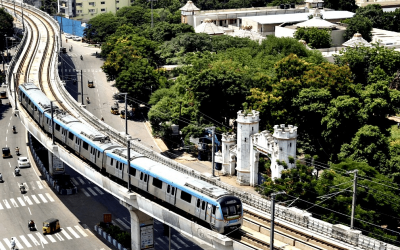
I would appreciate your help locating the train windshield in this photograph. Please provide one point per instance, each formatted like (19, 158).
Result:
(231, 206)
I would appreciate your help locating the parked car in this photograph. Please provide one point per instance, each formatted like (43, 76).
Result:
(23, 162)
(77, 38)
(68, 36)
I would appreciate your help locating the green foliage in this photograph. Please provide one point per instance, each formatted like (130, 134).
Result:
(134, 15)
(6, 27)
(349, 5)
(368, 145)
(358, 24)
(164, 31)
(379, 18)
(315, 38)
(102, 26)
(364, 62)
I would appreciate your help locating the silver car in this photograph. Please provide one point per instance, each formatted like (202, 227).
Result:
(23, 162)
(77, 38)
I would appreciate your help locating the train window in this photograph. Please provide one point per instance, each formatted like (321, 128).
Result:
(35, 108)
(225, 211)
(157, 183)
(198, 203)
(70, 136)
(213, 209)
(120, 166)
(168, 188)
(112, 161)
(173, 191)
(238, 209)
(58, 127)
(141, 176)
(98, 154)
(203, 205)
(232, 210)
(132, 171)
(85, 145)
(145, 178)
(186, 197)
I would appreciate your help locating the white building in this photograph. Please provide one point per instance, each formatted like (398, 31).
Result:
(244, 156)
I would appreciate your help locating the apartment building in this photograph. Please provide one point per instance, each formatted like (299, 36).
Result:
(384, 3)
(84, 10)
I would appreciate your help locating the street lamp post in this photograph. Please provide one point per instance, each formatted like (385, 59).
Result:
(5, 37)
(271, 244)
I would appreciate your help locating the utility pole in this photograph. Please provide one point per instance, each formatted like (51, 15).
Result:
(52, 122)
(128, 140)
(82, 87)
(213, 149)
(271, 236)
(353, 205)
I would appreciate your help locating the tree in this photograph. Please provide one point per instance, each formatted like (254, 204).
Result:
(349, 5)
(374, 13)
(102, 26)
(6, 27)
(163, 31)
(358, 24)
(315, 38)
(341, 121)
(135, 15)
(368, 145)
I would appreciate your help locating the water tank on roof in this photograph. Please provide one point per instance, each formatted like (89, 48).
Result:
(292, 5)
(282, 6)
(287, 6)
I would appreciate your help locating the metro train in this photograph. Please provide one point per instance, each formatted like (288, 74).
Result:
(202, 200)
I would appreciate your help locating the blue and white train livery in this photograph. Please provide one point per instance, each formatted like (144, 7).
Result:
(198, 198)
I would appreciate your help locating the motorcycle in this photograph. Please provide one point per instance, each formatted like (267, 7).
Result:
(14, 130)
(17, 150)
(81, 57)
(31, 225)
(1, 178)
(87, 100)
(16, 171)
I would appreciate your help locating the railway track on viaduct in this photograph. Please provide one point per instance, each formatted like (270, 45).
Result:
(38, 64)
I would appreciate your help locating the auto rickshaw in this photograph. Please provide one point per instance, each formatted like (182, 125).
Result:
(122, 114)
(6, 152)
(90, 84)
(3, 94)
(51, 225)
(114, 110)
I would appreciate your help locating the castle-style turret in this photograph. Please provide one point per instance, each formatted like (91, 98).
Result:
(285, 139)
(247, 125)
(228, 162)
(187, 13)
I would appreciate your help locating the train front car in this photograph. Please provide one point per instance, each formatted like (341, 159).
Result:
(231, 214)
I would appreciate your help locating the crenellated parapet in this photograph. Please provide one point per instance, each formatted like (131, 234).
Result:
(248, 117)
(228, 138)
(282, 132)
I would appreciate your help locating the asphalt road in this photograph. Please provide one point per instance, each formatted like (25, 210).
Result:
(38, 203)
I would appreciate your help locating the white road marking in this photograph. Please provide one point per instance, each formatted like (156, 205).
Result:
(91, 191)
(98, 190)
(49, 197)
(7, 241)
(9, 162)
(19, 246)
(35, 199)
(81, 181)
(29, 211)
(1, 207)
(86, 193)
(2, 247)
(21, 201)
(41, 238)
(74, 181)
(73, 232)
(25, 241)
(39, 184)
(81, 231)
(66, 234)
(32, 185)
(6, 204)
(60, 238)
(50, 238)
(122, 223)
(26, 198)
(42, 197)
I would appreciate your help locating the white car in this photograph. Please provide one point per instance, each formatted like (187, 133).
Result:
(77, 38)
(23, 162)
(68, 36)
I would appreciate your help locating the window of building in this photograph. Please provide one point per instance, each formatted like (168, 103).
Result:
(117, 8)
(79, 11)
(157, 183)
(92, 10)
(117, 1)
(186, 197)
(79, 4)
(91, 3)
(103, 10)
(102, 2)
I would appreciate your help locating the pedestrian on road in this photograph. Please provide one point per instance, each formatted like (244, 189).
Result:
(66, 40)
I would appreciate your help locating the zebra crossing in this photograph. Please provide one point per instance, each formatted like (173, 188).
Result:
(37, 239)
(26, 200)
(88, 191)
